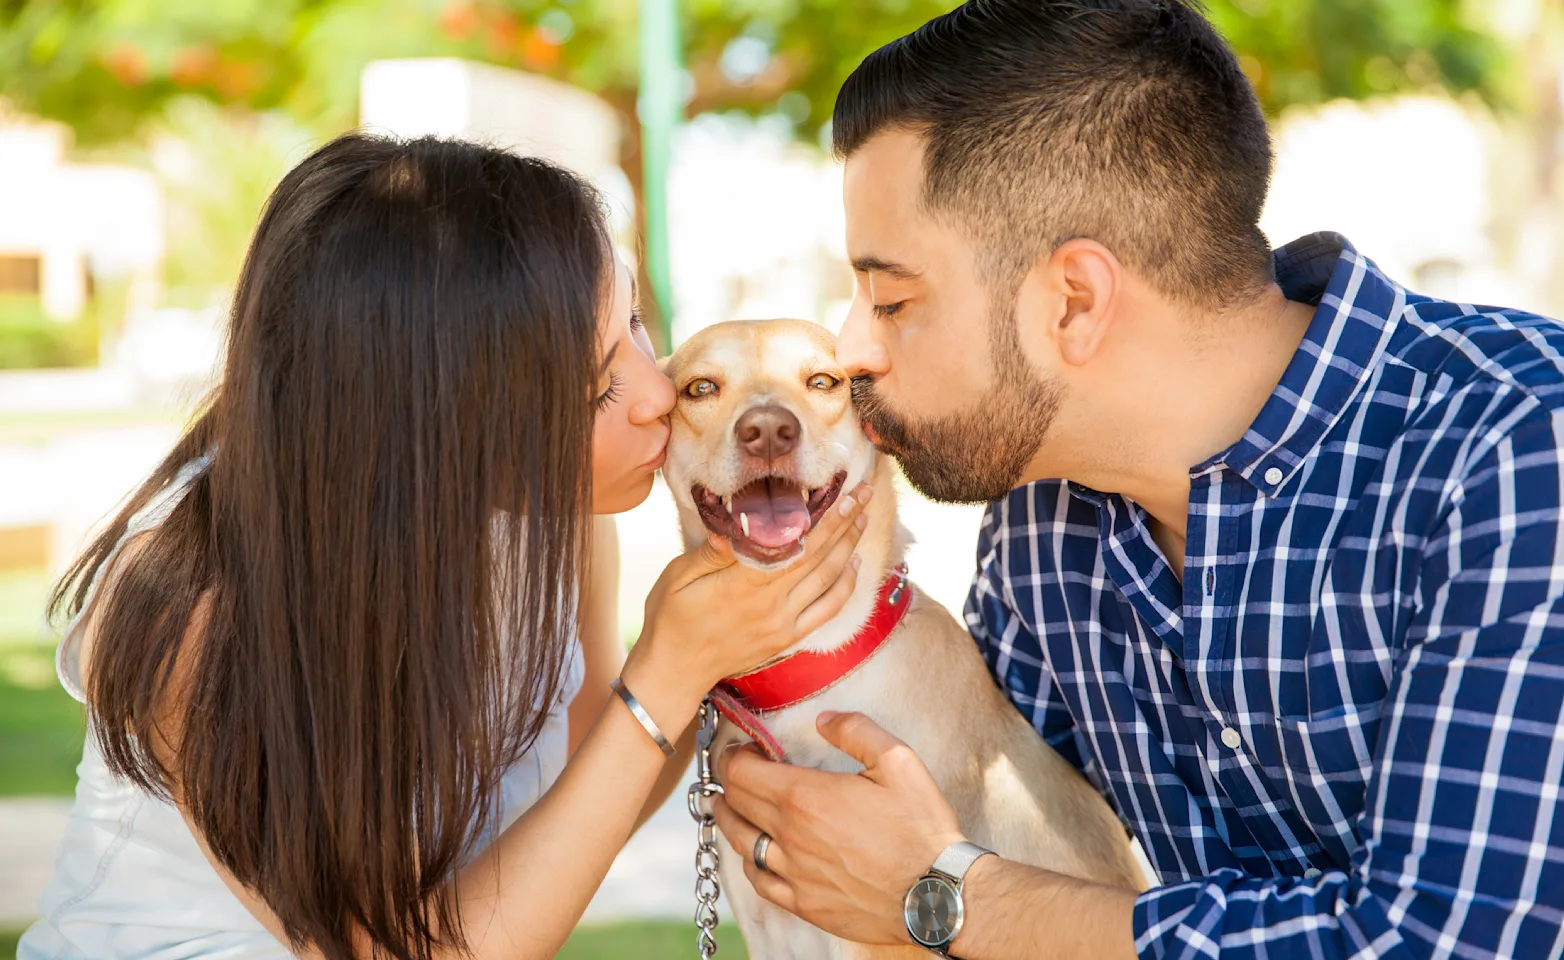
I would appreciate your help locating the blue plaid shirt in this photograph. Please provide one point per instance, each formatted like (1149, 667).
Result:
(1340, 735)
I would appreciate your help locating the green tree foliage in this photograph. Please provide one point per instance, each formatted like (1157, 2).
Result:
(113, 68)
(106, 66)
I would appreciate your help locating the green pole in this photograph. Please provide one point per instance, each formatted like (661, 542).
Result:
(661, 108)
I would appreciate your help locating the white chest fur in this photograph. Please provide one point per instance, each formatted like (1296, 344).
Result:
(878, 688)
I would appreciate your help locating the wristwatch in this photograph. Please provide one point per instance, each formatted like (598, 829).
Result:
(933, 908)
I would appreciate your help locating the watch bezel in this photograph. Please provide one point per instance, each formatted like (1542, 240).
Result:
(907, 910)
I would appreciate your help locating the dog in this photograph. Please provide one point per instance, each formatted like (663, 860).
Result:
(764, 439)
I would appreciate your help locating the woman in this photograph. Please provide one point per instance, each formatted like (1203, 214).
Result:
(329, 645)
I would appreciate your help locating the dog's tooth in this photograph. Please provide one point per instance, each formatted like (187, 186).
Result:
(744, 523)
(727, 504)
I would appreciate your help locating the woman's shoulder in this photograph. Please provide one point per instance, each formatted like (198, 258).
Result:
(86, 633)
(74, 656)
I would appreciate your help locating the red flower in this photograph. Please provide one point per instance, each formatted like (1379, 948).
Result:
(127, 64)
(193, 66)
(459, 20)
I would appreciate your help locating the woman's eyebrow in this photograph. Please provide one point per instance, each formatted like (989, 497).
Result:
(609, 358)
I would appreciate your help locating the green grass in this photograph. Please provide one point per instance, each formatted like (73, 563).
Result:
(23, 594)
(647, 940)
(41, 732)
(637, 940)
(41, 728)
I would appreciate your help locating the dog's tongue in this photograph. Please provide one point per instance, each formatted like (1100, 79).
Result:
(776, 510)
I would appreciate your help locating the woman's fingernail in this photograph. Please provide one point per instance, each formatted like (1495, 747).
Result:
(861, 522)
(825, 716)
(847, 507)
(855, 562)
(865, 494)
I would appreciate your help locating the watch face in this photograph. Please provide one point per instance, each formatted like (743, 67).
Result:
(933, 911)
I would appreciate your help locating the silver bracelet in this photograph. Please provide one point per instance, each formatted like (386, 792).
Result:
(642, 716)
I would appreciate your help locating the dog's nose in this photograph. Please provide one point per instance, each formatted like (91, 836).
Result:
(767, 432)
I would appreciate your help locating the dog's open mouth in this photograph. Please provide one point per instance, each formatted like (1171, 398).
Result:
(766, 519)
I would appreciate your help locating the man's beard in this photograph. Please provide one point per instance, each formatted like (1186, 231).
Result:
(974, 455)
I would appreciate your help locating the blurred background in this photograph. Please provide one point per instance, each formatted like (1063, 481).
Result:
(139, 140)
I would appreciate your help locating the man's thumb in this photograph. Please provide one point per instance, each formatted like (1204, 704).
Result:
(860, 738)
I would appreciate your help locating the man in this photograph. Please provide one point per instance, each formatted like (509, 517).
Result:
(1298, 609)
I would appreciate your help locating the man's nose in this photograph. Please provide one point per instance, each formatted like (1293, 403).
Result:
(857, 352)
(767, 432)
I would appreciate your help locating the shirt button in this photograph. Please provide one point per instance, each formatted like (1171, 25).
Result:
(1273, 476)
(1311, 873)
(1231, 738)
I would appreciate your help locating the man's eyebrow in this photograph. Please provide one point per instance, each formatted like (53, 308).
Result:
(609, 358)
(895, 271)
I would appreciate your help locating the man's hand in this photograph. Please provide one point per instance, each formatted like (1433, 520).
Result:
(844, 847)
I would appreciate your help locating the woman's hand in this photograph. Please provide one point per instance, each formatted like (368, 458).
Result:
(710, 617)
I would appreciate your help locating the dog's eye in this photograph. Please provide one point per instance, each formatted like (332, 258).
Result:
(700, 388)
(823, 381)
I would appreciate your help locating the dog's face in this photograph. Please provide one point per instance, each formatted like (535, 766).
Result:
(764, 438)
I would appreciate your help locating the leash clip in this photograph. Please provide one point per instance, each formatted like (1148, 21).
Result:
(708, 886)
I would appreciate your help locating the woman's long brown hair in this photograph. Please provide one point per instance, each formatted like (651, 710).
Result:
(412, 353)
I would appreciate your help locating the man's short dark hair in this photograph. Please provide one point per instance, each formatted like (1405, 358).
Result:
(1127, 122)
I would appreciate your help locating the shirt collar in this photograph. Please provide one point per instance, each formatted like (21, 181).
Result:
(1355, 308)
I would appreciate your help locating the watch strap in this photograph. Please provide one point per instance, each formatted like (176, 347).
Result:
(955, 860)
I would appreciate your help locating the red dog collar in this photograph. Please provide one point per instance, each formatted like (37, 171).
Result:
(783, 683)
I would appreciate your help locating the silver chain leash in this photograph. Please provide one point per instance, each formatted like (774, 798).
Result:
(707, 885)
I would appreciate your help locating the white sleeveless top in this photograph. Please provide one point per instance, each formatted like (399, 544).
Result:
(130, 881)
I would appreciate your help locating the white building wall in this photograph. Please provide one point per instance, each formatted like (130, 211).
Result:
(76, 217)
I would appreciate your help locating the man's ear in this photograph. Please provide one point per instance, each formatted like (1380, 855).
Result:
(1083, 278)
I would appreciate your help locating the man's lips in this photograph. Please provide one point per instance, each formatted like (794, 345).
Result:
(871, 433)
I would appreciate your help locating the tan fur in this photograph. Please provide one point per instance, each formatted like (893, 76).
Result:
(928, 685)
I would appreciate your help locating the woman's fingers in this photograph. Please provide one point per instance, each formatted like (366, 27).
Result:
(844, 521)
(714, 554)
(818, 613)
(832, 568)
(724, 616)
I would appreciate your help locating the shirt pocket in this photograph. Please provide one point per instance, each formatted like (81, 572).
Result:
(1328, 758)
(1330, 743)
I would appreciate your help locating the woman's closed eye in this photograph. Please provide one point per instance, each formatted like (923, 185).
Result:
(607, 397)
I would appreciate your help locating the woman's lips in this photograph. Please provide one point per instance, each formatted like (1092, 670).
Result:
(656, 463)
